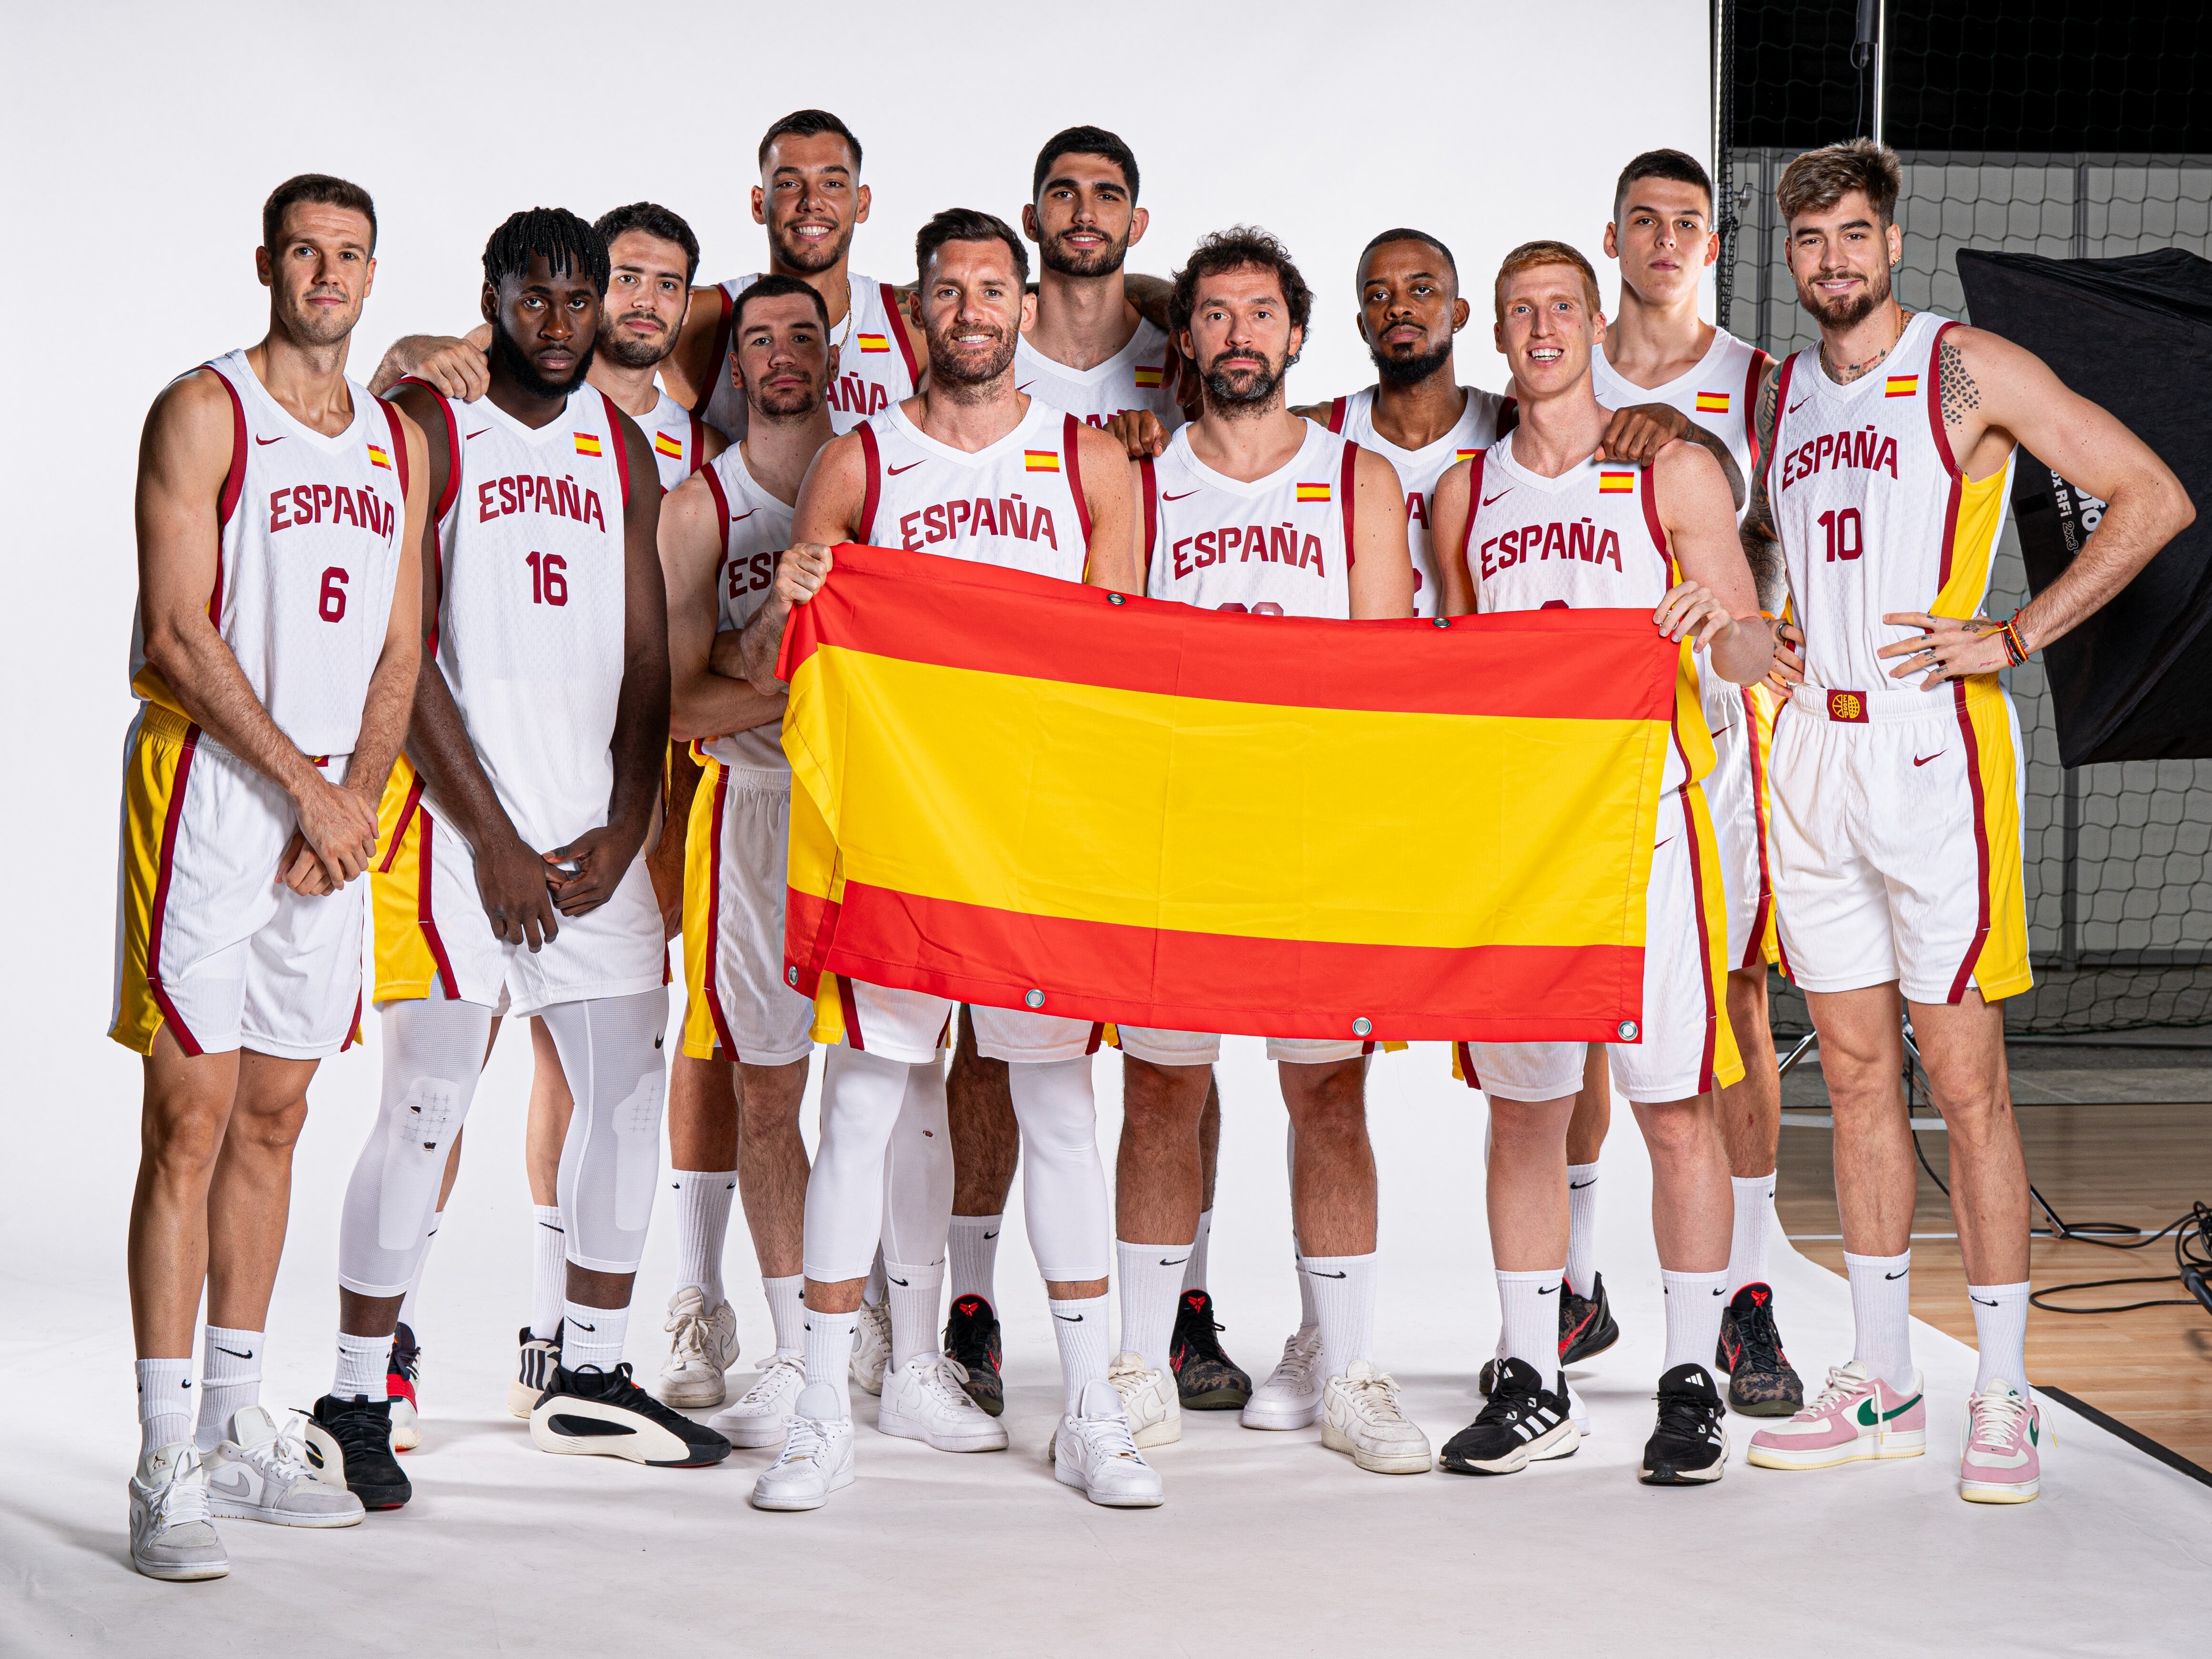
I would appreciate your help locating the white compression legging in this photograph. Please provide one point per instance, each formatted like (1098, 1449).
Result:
(1063, 1180)
(883, 1169)
(610, 1164)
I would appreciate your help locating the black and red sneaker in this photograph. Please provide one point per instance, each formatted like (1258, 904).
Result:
(400, 1375)
(1586, 1330)
(971, 1336)
(1207, 1379)
(1762, 1382)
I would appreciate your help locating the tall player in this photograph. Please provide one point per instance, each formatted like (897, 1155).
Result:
(971, 437)
(1896, 831)
(274, 657)
(539, 722)
(1658, 536)
(1091, 353)
(1240, 310)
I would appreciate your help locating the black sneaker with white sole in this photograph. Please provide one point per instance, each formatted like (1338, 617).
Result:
(971, 1336)
(1587, 1329)
(1689, 1447)
(356, 1434)
(604, 1414)
(1523, 1422)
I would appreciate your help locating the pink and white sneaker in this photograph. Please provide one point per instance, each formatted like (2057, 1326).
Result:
(2002, 1462)
(1856, 1416)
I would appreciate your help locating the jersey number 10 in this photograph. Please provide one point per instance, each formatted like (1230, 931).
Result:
(1846, 534)
(548, 585)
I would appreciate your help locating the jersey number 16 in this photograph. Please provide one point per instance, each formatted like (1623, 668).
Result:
(548, 585)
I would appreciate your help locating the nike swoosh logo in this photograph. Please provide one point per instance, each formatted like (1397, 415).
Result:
(1173, 1262)
(992, 1235)
(1178, 495)
(894, 471)
(1318, 1273)
(1986, 1304)
(223, 1483)
(1553, 1290)
(550, 1226)
(740, 518)
(657, 1041)
(478, 433)
(1657, 845)
(278, 439)
(1922, 760)
(1026, 386)
(901, 1283)
(1801, 404)
(1900, 1275)
(234, 1353)
(1499, 497)
(1720, 1292)
(581, 1326)
(1073, 1319)
(1577, 1186)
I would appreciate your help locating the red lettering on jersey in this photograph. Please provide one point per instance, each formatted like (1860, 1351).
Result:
(1582, 541)
(519, 492)
(1006, 516)
(1417, 509)
(751, 575)
(1865, 450)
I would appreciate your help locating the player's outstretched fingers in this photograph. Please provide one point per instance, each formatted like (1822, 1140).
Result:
(1139, 431)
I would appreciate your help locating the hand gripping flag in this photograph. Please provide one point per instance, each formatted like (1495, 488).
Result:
(1025, 792)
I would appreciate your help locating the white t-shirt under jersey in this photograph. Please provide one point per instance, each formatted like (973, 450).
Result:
(875, 365)
(1487, 415)
(1140, 375)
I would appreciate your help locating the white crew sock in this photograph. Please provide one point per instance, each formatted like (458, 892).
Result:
(787, 1312)
(422, 1261)
(230, 1381)
(1080, 1328)
(973, 1254)
(549, 1271)
(1882, 1315)
(592, 1336)
(1582, 1229)
(703, 1222)
(165, 1402)
(1152, 1279)
(873, 1291)
(2000, 1333)
(1307, 1317)
(363, 1362)
(915, 1295)
(1755, 1209)
(1344, 1304)
(827, 1342)
(1528, 1303)
(1695, 1302)
(1193, 1272)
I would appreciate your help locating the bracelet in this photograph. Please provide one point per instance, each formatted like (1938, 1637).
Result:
(2015, 647)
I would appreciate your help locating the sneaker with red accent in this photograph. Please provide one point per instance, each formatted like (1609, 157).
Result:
(2003, 1461)
(1856, 1416)
(1762, 1382)
(400, 1375)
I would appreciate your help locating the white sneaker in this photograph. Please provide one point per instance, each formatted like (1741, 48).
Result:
(533, 1372)
(1092, 1451)
(171, 1534)
(703, 1344)
(261, 1474)
(925, 1400)
(1578, 1412)
(817, 1458)
(871, 1345)
(1291, 1397)
(763, 1413)
(1360, 1415)
(1149, 1398)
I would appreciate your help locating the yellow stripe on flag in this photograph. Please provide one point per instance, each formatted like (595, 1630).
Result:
(1148, 375)
(872, 341)
(664, 445)
(587, 443)
(1041, 460)
(1312, 492)
(1712, 403)
(1901, 385)
(1466, 454)
(377, 457)
(1616, 484)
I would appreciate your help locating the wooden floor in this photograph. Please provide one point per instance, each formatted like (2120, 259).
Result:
(2142, 1165)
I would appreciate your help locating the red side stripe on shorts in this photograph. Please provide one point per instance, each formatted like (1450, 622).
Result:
(1704, 938)
(427, 922)
(1981, 843)
(1467, 1065)
(721, 782)
(186, 1040)
(399, 830)
(1752, 954)
(852, 1008)
(1097, 1035)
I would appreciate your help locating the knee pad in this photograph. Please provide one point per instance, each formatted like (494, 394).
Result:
(863, 1095)
(918, 1172)
(610, 1054)
(418, 1133)
(1064, 1197)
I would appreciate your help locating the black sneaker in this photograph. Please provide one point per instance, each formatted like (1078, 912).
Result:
(1689, 1448)
(1762, 1382)
(1586, 1329)
(357, 1438)
(1207, 1379)
(605, 1414)
(971, 1336)
(534, 1371)
(1523, 1423)
(401, 1374)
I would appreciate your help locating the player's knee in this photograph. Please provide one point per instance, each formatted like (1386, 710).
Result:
(1678, 1128)
(1156, 1100)
(273, 1127)
(183, 1135)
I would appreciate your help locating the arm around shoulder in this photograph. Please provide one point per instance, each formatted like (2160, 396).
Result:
(1112, 558)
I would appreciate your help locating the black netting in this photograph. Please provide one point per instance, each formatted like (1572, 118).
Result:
(2055, 127)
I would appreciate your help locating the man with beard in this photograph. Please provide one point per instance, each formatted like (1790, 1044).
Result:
(1239, 310)
(1896, 835)
(539, 723)
(1091, 353)
(925, 474)
(268, 715)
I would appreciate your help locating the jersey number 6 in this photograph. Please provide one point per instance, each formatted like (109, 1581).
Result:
(331, 607)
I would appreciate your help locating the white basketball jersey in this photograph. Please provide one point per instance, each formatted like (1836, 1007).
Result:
(1589, 539)
(1140, 375)
(1487, 415)
(876, 368)
(678, 437)
(1280, 545)
(755, 527)
(1018, 503)
(1873, 512)
(309, 549)
(531, 586)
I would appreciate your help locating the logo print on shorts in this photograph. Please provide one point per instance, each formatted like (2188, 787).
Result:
(1848, 707)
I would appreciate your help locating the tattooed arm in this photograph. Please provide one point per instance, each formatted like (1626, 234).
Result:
(1762, 548)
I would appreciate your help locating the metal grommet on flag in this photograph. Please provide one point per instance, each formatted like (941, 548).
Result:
(1035, 999)
(1361, 1026)
(1627, 1030)
(1113, 598)
(1443, 621)
(791, 976)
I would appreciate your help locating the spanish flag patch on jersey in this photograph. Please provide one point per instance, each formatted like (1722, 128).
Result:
(587, 443)
(377, 457)
(1041, 460)
(1148, 376)
(663, 443)
(1466, 454)
(1616, 484)
(1901, 385)
(1312, 492)
(1712, 403)
(872, 341)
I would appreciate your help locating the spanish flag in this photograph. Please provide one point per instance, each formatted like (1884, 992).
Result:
(663, 444)
(1712, 403)
(1465, 454)
(872, 341)
(1148, 376)
(378, 457)
(1616, 484)
(1025, 792)
(1312, 492)
(1041, 460)
(587, 443)
(1901, 385)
